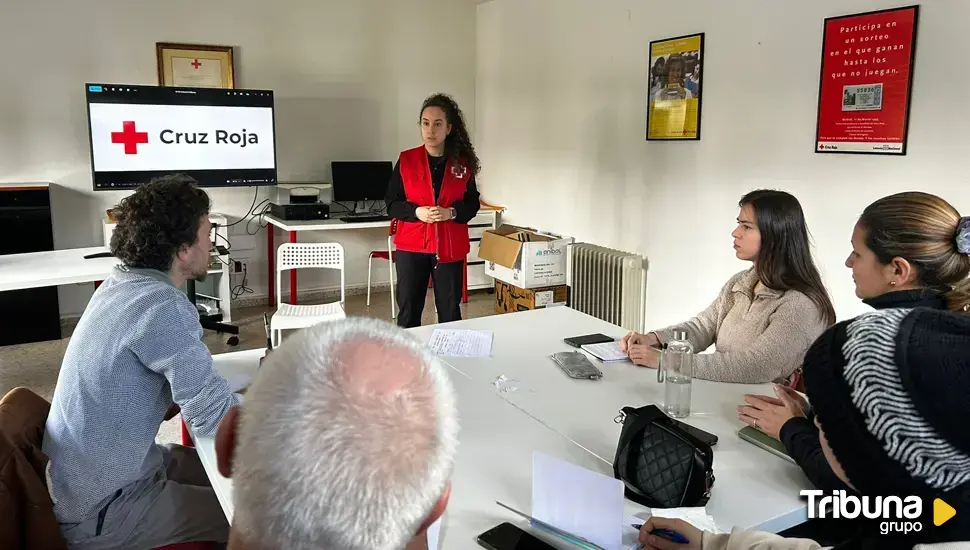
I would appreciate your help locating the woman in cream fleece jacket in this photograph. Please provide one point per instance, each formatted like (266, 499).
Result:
(765, 317)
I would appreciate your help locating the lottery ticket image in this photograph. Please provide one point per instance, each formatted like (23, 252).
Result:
(862, 97)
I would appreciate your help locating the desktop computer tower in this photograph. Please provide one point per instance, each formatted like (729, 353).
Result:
(30, 315)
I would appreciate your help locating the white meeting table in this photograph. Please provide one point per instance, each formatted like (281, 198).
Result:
(572, 420)
(494, 461)
(753, 489)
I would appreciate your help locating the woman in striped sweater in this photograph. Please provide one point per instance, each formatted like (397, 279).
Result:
(909, 250)
(890, 391)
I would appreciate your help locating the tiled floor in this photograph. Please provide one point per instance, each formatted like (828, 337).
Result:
(35, 366)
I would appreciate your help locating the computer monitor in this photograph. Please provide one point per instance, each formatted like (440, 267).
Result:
(355, 181)
(219, 137)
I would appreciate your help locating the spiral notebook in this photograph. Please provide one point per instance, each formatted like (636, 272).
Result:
(607, 352)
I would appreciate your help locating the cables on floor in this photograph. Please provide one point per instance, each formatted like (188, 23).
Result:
(240, 289)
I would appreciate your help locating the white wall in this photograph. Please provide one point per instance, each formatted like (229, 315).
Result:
(349, 78)
(560, 99)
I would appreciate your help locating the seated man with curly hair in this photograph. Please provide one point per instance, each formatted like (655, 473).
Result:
(135, 358)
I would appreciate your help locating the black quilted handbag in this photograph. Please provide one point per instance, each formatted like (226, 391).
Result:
(661, 465)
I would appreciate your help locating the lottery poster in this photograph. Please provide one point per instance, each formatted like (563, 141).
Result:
(866, 82)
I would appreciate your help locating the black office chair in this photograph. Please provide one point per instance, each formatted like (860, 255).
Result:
(212, 322)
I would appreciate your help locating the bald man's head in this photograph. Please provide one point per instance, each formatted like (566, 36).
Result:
(346, 440)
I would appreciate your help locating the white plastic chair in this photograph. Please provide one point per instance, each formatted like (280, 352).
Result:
(306, 256)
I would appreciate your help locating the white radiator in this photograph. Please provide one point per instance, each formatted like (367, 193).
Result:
(608, 284)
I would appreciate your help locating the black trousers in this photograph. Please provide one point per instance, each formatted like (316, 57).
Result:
(413, 271)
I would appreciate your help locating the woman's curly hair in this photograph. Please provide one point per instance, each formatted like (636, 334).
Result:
(157, 220)
(458, 144)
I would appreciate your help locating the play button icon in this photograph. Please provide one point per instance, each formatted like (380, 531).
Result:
(942, 512)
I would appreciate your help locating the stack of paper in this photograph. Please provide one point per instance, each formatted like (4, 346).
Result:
(631, 536)
(461, 343)
(589, 506)
(696, 516)
(608, 352)
(581, 502)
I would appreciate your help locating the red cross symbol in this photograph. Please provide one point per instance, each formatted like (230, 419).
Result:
(130, 137)
(196, 64)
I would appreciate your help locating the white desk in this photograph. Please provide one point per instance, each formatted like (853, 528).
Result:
(475, 272)
(321, 225)
(752, 489)
(53, 268)
(494, 460)
(293, 227)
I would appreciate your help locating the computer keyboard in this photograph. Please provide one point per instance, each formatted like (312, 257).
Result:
(364, 219)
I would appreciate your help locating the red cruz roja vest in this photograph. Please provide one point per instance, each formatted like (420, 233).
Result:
(449, 240)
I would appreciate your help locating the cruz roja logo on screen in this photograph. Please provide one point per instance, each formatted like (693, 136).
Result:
(130, 137)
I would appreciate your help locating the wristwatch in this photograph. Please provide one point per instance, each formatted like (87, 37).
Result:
(454, 213)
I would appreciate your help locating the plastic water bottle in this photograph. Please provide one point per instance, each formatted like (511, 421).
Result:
(676, 372)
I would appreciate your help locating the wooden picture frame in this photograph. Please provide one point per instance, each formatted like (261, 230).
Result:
(195, 66)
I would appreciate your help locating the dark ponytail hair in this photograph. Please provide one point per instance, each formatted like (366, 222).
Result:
(785, 258)
(924, 230)
(458, 145)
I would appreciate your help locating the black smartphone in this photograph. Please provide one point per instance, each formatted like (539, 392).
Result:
(706, 437)
(588, 339)
(506, 536)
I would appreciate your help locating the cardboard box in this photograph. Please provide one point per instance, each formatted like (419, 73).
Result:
(524, 257)
(510, 298)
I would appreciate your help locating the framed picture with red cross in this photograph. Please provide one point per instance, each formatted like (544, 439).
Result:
(194, 65)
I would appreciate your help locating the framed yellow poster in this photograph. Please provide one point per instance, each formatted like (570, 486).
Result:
(674, 88)
(194, 66)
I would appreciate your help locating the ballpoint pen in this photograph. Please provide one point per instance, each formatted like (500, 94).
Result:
(672, 536)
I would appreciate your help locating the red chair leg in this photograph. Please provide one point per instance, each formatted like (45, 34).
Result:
(186, 437)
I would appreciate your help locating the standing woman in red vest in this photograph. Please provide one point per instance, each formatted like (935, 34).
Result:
(433, 195)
